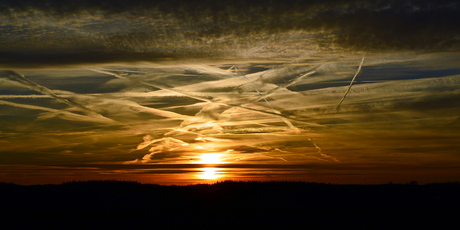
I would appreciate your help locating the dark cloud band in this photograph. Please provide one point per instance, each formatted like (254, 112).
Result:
(186, 28)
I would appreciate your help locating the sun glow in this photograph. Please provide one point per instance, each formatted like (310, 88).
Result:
(210, 158)
(209, 173)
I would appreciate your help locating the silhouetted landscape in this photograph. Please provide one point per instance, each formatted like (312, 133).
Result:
(230, 204)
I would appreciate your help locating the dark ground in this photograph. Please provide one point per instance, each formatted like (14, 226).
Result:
(230, 205)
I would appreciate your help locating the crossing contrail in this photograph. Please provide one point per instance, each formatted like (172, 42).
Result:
(12, 75)
(190, 95)
(57, 111)
(289, 123)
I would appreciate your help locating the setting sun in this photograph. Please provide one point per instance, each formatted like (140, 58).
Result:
(209, 173)
(210, 158)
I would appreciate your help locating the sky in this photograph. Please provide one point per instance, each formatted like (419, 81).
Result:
(184, 92)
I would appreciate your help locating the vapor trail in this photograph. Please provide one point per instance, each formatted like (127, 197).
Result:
(284, 86)
(321, 152)
(269, 104)
(23, 96)
(351, 83)
(57, 111)
(114, 73)
(12, 75)
(201, 98)
(139, 108)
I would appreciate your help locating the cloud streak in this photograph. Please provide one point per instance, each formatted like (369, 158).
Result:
(41, 89)
(351, 84)
(59, 113)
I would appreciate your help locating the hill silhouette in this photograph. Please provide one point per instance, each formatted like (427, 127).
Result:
(230, 204)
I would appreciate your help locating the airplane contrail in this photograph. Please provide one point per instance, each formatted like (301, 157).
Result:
(12, 75)
(283, 86)
(289, 123)
(114, 73)
(57, 111)
(321, 152)
(351, 83)
(23, 96)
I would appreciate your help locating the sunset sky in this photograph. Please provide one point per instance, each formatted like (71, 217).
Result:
(182, 92)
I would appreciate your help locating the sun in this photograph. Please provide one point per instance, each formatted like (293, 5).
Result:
(209, 173)
(210, 158)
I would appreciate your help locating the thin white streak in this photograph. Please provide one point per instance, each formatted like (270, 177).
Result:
(56, 111)
(351, 83)
(23, 96)
(41, 89)
(321, 152)
(139, 108)
(269, 104)
(205, 99)
(167, 142)
(284, 86)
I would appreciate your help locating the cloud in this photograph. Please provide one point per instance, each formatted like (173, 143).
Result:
(396, 112)
(221, 123)
(54, 33)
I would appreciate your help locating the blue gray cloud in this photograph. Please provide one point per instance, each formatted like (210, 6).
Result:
(51, 32)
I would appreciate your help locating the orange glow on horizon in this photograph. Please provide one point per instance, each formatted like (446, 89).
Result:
(210, 173)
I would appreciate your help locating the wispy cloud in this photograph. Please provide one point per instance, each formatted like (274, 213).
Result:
(37, 35)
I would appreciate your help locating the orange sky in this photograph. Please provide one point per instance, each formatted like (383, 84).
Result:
(303, 91)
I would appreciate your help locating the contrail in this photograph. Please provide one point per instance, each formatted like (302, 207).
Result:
(114, 73)
(140, 108)
(23, 96)
(321, 152)
(201, 98)
(269, 104)
(41, 89)
(57, 111)
(283, 86)
(351, 83)
(12, 75)
(258, 92)
(168, 141)
(129, 104)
